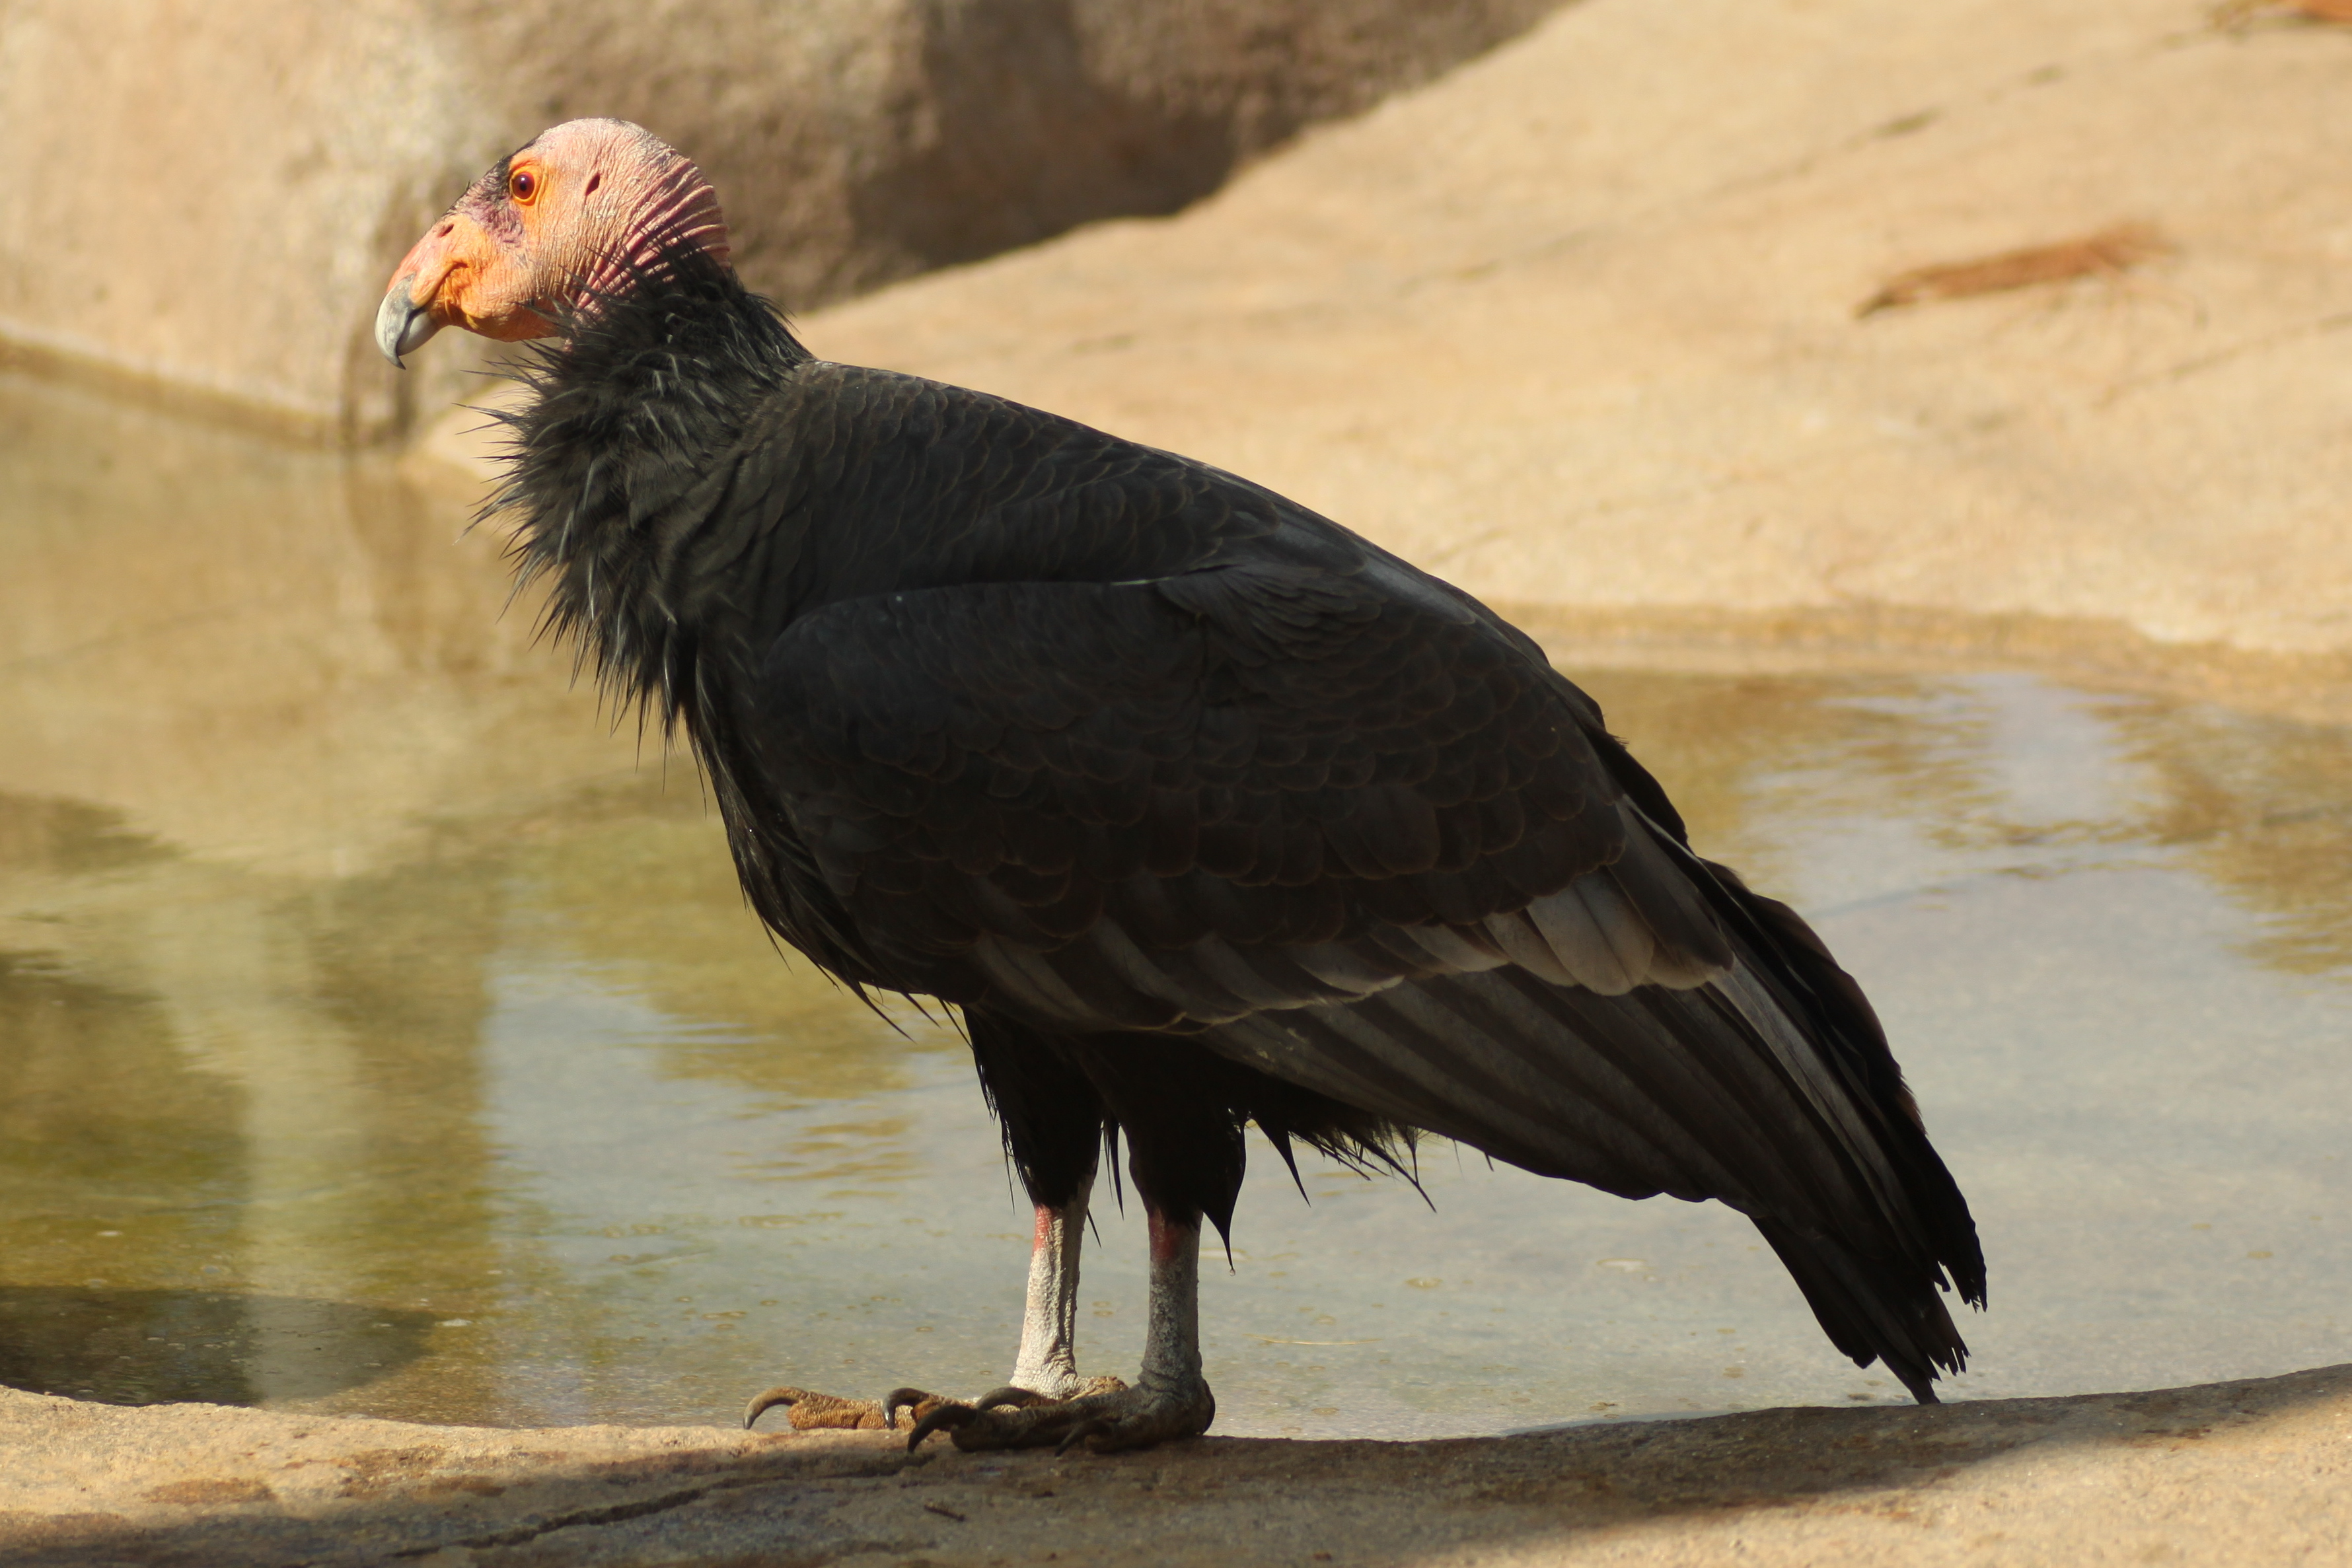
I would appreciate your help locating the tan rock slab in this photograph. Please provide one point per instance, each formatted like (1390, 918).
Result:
(1577, 325)
(2253, 1472)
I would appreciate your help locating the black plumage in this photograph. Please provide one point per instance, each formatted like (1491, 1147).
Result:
(1203, 809)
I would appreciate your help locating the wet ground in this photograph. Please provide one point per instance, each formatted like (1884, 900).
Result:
(382, 1035)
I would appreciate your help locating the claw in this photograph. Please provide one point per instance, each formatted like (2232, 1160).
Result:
(898, 1399)
(760, 1404)
(1012, 1398)
(941, 1417)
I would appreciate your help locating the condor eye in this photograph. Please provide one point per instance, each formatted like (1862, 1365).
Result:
(522, 185)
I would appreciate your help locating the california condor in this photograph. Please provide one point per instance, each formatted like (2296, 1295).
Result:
(1202, 809)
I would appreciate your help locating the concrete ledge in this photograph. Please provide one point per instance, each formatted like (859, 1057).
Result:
(2256, 1472)
(1579, 324)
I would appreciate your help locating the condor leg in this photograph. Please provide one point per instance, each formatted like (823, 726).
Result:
(1186, 1156)
(1169, 1399)
(1053, 1125)
(1047, 1363)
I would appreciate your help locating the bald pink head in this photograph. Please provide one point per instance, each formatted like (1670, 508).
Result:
(559, 224)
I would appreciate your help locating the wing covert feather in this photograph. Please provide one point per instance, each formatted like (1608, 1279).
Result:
(1166, 808)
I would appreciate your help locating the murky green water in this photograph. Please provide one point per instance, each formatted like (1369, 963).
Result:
(379, 1036)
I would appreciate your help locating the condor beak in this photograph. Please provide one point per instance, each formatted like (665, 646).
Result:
(401, 326)
(424, 285)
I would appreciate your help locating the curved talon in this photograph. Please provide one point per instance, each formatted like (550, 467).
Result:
(1012, 1398)
(943, 1418)
(897, 1399)
(760, 1404)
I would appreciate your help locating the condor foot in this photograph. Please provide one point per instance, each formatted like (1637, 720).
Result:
(1106, 1419)
(812, 1412)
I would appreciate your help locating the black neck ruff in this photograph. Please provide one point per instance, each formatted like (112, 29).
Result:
(637, 402)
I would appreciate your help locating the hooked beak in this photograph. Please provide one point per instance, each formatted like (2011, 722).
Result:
(401, 326)
(457, 275)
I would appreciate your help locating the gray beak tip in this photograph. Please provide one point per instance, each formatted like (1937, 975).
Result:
(401, 326)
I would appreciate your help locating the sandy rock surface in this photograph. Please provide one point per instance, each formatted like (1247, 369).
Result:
(212, 197)
(1577, 325)
(2255, 1472)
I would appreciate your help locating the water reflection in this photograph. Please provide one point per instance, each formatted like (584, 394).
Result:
(161, 1347)
(2008, 770)
(378, 1035)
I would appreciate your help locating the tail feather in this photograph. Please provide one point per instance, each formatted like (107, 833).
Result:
(1873, 1310)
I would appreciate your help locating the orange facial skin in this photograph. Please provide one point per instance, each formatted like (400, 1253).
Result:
(474, 268)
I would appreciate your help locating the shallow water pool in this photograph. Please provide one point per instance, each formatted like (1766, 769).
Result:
(381, 1032)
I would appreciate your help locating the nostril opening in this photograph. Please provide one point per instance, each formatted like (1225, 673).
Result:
(593, 181)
